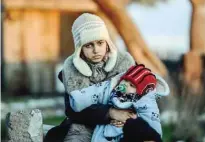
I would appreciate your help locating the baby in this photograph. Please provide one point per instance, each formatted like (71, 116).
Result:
(137, 89)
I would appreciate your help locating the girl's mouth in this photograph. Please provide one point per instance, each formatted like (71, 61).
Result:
(96, 57)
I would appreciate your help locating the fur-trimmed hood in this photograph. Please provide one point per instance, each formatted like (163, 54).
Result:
(74, 80)
(88, 28)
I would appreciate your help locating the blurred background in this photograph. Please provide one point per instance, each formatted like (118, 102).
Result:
(166, 35)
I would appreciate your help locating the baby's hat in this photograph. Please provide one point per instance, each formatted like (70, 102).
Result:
(143, 79)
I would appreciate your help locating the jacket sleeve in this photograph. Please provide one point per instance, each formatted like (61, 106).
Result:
(95, 94)
(139, 130)
(92, 115)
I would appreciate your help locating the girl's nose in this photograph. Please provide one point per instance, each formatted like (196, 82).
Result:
(95, 49)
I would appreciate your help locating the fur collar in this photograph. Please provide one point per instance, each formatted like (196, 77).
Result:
(73, 79)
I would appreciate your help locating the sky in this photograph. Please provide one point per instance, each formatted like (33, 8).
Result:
(165, 26)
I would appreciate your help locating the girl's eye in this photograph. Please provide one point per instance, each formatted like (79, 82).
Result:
(100, 42)
(88, 45)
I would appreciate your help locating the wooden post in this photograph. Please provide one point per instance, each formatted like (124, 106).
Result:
(127, 29)
(198, 26)
(193, 65)
(13, 53)
(193, 71)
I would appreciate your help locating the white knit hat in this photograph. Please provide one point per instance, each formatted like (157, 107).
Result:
(87, 28)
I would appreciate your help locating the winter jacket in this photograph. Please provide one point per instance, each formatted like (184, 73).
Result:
(92, 115)
(78, 126)
(74, 80)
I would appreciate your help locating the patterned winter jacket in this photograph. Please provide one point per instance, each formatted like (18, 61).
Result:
(74, 80)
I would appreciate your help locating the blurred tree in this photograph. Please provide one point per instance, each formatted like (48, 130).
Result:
(143, 2)
(148, 2)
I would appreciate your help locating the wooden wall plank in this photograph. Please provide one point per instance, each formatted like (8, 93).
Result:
(13, 38)
(33, 40)
(41, 35)
(51, 35)
(66, 38)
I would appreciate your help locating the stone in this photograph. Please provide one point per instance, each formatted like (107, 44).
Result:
(25, 126)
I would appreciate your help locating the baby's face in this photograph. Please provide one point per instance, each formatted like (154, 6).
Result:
(129, 87)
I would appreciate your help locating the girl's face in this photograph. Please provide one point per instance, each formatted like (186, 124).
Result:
(95, 51)
(129, 87)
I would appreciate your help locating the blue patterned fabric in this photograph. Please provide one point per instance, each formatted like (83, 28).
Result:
(146, 108)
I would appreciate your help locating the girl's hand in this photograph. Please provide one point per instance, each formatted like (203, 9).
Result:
(121, 114)
(117, 123)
